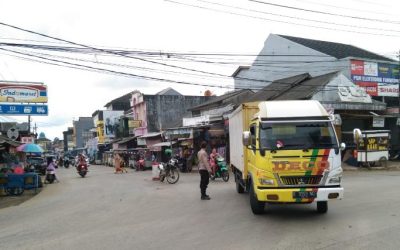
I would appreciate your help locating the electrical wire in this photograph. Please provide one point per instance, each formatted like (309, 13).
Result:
(281, 21)
(299, 18)
(325, 13)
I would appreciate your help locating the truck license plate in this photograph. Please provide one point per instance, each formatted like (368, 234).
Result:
(304, 194)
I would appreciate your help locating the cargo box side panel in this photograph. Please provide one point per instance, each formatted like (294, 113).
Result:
(238, 122)
(235, 139)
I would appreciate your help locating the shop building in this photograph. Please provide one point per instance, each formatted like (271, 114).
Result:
(287, 56)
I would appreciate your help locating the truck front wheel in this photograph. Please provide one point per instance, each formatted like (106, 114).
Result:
(257, 207)
(322, 207)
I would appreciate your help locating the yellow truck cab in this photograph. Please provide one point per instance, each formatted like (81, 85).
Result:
(285, 152)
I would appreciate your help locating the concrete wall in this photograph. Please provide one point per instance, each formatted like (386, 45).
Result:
(270, 68)
(84, 124)
(167, 111)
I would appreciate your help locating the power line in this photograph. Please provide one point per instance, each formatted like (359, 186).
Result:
(118, 72)
(150, 53)
(123, 55)
(325, 88)
(325, 13)
(107, 51)
(281, 21)
(345, 8)
(299, 18)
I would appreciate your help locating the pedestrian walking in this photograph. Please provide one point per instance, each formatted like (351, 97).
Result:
(204, 170)
(118, 164)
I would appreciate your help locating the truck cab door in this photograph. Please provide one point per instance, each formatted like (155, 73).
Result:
(252, 152)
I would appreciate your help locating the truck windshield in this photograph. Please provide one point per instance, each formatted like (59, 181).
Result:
(301, 135)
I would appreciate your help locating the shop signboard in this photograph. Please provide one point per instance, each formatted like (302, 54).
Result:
(23, 109)
(134, 123)
(378, 79)
(15, 92)
(378, 122)
(27, 139)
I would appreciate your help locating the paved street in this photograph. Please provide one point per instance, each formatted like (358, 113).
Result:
(130, 211)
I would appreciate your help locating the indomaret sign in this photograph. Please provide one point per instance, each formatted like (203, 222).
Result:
(23, 93)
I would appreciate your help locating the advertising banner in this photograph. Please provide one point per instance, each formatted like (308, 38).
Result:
(14, 92)
(100, 131)
(22, 109)
(378, 79)
(111, 123)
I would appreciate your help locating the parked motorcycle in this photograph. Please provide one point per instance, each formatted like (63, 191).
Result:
(183, 166)
(66, 163)
(82, 170)
(169, 171)
(50, 176)
(222, 170)
(140, 164)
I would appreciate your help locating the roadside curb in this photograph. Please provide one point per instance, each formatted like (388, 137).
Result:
(352, 169)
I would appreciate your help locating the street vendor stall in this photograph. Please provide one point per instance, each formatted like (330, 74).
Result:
(372, 146)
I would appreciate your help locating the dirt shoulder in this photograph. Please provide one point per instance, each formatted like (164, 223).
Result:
(8, 201)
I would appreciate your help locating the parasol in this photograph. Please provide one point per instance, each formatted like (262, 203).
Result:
(30, 148)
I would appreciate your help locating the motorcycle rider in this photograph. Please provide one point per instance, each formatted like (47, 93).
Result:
(66, 160)
(81, 162)
(213, 161)
(51, 167)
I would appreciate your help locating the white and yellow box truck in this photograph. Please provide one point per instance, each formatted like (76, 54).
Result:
(285, 152)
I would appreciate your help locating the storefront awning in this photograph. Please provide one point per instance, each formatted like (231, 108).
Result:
(151, 135)
(125, 140)
(163, 144)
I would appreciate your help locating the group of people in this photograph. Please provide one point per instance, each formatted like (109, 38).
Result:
(51, 164)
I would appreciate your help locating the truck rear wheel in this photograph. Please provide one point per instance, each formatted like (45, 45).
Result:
(239, 187)
(257, 207)
(322, 207)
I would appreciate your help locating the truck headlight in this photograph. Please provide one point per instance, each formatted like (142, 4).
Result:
(266, 181)
(335, 180)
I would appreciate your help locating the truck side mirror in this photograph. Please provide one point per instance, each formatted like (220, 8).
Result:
(246, 138)
(342, 146)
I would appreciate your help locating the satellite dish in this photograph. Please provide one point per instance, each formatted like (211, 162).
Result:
(13, 133)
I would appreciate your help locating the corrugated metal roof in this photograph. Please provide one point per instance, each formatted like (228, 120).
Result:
(337, 50)
(231, 97)
(277, 87)
(306, 89)
(168, 91)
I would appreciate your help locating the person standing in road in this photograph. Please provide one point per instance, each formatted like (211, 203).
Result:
(204, 169)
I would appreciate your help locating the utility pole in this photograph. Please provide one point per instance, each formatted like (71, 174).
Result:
(398, 86)
(29, 124)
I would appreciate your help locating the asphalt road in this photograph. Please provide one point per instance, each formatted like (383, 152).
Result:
(130, 211)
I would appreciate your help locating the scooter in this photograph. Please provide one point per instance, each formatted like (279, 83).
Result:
(222, 170)
(50, 176)
(82, 170)
(66, 163)
(140, 164)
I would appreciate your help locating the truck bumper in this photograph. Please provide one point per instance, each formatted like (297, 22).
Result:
(287, 195)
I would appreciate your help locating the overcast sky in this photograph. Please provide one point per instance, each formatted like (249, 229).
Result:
(211, 26)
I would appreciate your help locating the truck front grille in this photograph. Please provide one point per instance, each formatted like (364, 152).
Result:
(301, 180)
